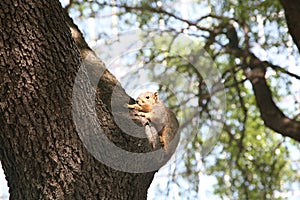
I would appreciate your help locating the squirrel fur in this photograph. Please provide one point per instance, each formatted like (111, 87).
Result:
(151, 107)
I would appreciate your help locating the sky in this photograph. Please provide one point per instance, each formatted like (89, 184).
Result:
(3, 185)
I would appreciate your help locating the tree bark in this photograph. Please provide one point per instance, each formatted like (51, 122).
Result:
(42, 155)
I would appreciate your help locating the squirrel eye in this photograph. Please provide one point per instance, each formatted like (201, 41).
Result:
(147, 97)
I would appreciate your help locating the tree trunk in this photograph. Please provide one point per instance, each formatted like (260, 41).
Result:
(41, 151)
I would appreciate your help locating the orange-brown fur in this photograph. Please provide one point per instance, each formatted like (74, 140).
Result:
(156, 112)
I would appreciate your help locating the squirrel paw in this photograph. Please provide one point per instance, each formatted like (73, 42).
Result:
(143, 114)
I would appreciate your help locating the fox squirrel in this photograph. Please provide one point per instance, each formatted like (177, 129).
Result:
(164, 120)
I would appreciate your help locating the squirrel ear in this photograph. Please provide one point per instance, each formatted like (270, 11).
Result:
(155, 95)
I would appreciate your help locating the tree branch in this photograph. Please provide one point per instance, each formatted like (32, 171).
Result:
(273, 117)
(291, 8)
(280, 69)
(157, 10)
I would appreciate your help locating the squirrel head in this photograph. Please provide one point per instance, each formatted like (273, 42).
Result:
(148, 98)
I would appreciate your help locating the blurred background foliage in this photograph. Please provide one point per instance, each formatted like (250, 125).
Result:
(227, 155)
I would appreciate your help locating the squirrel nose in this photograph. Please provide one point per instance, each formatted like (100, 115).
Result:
(139, 101)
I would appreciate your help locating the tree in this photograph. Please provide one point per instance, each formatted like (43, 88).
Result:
(43, 153)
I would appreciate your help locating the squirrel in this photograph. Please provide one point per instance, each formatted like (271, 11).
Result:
(151, 107)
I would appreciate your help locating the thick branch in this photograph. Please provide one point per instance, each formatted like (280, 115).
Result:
(273, 117)
(292, 16)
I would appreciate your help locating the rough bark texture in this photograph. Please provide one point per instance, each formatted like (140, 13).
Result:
(40, 151)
